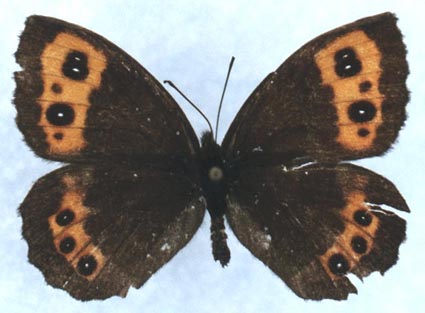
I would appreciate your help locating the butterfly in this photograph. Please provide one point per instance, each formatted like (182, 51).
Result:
(139, 181)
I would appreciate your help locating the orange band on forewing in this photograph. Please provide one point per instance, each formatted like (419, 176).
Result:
(346, 90)
(73, 92)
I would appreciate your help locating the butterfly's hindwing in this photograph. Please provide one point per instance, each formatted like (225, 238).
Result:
(96, 231)
(313, 225)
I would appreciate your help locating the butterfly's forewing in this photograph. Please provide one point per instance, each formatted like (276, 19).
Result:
(341, 96)
(80, 97)
(97, 230)
(314, 225)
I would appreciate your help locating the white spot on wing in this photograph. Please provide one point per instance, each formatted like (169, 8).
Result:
(165, 246)
(263, 239)
(126, 66)
(256, 200)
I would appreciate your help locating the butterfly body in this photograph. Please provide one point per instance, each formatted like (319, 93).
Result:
(214, 186)
(139, 181)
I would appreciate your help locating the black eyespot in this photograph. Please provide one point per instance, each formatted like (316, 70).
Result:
(338, 264)
(362, 217)
(361, 111)
(75, 66)
(60, 114)
(347, 64)
(67, 245)
(363, 132)
(87, 265)
(359, 244)
(56, 88)
(65, 217)
(58, 136)
(365, 86)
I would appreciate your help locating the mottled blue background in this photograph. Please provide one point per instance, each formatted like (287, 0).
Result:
(191, 42)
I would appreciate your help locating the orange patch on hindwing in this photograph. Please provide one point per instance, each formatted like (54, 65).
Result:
(69, 236)
(360, 227)
(351, 66)
(71, 70)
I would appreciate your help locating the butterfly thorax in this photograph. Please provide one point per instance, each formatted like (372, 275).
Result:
(214, 187)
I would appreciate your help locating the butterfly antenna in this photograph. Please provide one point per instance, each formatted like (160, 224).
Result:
(191, 103)
(222, 96)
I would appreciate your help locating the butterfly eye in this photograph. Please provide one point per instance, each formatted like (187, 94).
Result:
(346, 63)
(362, 217)
(338, 264)
(75, 66)
(87, 265)
(65, 217)
(359, 244)
(361, 111)
(60, 114)
(67, 245)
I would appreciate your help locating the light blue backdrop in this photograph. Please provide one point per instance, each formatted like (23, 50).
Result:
(191, 43)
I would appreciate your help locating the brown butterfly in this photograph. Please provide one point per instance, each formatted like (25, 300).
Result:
(139, 181)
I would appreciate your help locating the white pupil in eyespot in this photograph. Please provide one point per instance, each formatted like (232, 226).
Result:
(215, 173)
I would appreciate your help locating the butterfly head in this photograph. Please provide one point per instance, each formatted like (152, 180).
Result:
(211, 158)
